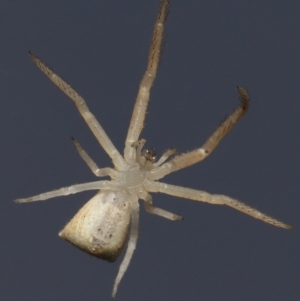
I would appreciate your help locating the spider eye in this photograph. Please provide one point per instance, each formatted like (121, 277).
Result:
(149, 154)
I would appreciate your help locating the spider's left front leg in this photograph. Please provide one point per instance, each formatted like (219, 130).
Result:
(190, 158)
(202, 196)
(99, 172)
(141, 103)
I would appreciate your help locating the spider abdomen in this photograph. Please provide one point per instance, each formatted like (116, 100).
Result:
(100, 227)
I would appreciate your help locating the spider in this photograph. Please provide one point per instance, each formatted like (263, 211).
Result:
(101, 226)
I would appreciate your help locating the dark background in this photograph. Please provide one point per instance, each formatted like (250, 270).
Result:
(101, 49)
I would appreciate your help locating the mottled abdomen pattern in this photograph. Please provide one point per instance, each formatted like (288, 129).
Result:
(100, 227)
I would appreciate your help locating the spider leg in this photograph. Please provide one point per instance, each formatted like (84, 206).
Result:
(81, 105)
(165, 157)
(69, 190)
(99, 172)
(139, 144)
(190, 158)
(158, 211)
(140, 107)
(133, 236)
(202, 196)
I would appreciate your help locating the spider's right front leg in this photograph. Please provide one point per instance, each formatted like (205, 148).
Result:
(190, 158)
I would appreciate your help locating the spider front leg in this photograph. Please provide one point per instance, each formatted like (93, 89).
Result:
(99, 172)
(140, 107)
(190, 158)
(69, 190)
(158, 211)
(83, 109)
(202, 196)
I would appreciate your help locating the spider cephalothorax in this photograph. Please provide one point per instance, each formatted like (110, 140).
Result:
(101, 226)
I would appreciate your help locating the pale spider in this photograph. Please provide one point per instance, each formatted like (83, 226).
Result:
(101, 226)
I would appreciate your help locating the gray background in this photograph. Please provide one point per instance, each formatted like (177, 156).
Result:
(100, 48)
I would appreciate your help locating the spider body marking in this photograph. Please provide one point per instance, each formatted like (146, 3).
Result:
(101, 226)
